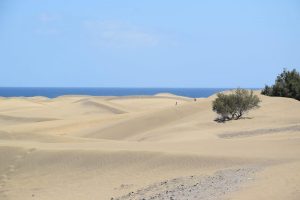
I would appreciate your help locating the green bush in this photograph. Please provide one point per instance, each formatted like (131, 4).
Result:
(235, 105)
(287, 84)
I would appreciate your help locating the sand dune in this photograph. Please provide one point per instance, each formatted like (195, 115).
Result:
(145, 122)
(17, 120)
(83, 147)
(102, 107)
(295, 128)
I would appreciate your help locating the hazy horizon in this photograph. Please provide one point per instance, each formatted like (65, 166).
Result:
(130, 87)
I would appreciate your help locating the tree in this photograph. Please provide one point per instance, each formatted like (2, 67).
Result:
(235, 105)
(287, 84)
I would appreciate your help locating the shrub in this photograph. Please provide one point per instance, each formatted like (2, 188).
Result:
(287, 84)
(235, 105)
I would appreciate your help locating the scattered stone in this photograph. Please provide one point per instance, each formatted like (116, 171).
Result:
(212, 187)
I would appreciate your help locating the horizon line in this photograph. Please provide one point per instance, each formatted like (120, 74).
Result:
(127, 87)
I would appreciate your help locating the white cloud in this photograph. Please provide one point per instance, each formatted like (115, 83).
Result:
(47, 31)
(48, 24)
(120, 34)
(48, 17)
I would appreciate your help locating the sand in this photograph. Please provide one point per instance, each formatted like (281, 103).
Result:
(146, 147)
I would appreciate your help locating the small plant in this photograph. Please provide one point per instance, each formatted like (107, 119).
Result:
(287, 84)
(234, 105)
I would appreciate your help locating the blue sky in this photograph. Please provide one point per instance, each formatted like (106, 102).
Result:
(154, 43)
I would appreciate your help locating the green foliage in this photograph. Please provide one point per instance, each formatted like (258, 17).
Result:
(287, 84)
(235, 105)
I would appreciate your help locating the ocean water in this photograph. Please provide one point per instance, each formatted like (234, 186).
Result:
(55, 92)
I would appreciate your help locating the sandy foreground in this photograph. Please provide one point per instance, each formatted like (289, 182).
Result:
(146, 147)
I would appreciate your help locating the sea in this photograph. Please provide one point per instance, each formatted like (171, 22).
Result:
(52, 92)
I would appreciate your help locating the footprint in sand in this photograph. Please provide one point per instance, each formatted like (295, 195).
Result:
(31, 150)
(124, 186)
(19, 157)
(4, 179)
(13, 167)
